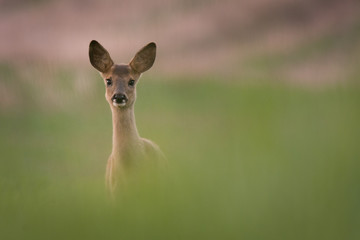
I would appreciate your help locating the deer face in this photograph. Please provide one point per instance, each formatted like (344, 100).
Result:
(121, 79)
(120, 83)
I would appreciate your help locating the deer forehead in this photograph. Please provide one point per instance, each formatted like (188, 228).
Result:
(121, 71)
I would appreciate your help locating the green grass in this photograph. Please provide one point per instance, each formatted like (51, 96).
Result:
(245, 162)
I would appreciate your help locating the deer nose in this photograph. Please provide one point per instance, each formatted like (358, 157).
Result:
(119, 98)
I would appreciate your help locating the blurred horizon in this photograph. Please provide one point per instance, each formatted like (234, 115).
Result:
(302, 42)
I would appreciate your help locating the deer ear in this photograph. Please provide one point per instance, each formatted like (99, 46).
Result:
(144, 59)
(99, 57)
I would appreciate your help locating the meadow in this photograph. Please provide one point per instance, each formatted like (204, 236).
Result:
(246, 161)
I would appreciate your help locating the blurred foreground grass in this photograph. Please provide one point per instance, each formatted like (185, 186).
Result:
(246, 162)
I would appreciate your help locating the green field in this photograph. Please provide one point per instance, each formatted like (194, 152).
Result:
(246, 161)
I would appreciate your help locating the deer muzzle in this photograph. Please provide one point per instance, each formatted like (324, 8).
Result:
(119, 100)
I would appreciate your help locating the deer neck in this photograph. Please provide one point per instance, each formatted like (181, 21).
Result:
(125, 134)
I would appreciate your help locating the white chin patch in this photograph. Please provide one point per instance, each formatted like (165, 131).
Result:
(119, 104)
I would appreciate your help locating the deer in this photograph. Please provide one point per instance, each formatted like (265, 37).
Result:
(128, 148)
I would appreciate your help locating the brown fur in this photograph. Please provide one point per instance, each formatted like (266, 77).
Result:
(129, 149)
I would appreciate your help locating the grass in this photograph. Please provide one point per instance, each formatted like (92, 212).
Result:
(246, 162)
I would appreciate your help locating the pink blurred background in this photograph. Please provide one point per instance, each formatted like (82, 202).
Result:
(307, 42)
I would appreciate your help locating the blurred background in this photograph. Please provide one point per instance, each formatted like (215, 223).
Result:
(256, 105)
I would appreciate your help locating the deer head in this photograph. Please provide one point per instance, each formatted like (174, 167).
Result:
(121, 79)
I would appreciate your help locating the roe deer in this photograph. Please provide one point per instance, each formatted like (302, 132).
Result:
(128, 148)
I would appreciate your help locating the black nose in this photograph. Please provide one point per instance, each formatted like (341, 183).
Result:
(119, 98)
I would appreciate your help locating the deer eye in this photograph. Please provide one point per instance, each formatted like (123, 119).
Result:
(131, 82)
(108, 82)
